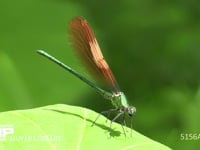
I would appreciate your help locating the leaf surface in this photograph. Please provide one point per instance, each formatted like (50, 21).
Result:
(57, 127)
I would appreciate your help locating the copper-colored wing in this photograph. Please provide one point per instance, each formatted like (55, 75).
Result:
(87, 48)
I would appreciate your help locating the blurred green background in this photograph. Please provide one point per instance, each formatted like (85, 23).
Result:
(153, 48)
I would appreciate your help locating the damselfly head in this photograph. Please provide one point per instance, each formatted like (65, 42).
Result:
(131, 110)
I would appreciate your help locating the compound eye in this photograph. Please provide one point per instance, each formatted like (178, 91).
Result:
(130, 113)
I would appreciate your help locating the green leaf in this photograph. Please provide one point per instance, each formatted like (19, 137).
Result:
(63, 127)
